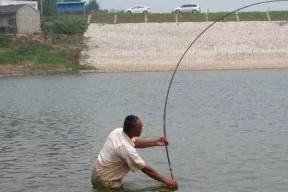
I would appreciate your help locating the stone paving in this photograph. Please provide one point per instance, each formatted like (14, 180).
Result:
(159, 46)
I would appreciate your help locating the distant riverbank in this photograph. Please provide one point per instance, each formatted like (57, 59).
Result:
(56, 50)
(155, 47)
(40, 55)
(159, 46)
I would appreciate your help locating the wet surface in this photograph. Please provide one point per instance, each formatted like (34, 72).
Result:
(227, 129)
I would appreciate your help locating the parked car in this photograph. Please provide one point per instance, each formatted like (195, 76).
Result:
(188, 8)
(138, 9)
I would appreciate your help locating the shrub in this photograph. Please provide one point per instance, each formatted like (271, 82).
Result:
(68, 26)
(4, 41)
(46, 27)
(23, 50)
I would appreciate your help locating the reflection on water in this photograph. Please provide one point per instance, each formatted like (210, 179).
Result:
(227, 129)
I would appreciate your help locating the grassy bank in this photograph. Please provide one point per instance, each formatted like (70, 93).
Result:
(187, 17)
(40, 55)
(57, 50)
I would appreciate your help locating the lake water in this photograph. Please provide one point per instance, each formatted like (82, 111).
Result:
(228, 130)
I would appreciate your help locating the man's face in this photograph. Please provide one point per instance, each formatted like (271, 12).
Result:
(138, 129)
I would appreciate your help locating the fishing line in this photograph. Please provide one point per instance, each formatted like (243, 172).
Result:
(175, 70)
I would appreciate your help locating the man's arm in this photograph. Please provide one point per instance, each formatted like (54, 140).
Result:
(143, 143)
(171, 183)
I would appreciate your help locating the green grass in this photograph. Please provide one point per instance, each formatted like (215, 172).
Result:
(160, 18)
(64, 17)
(216, 16)
(253, 16)
(156, 17)
(102, 18)
(186, 17)
(3, 57)
(63, 41)
(279, 15)
(68, 24)
(44, 57)
(129, 18)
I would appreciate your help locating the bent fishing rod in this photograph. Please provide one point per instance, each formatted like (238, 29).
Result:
(180, 60)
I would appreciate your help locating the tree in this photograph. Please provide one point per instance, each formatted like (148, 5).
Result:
(92, 6)
(48, 7)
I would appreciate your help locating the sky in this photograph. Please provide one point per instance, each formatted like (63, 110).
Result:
(212, 5)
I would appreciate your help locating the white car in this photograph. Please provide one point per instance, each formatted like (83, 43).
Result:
(188, 8)
(138, 9)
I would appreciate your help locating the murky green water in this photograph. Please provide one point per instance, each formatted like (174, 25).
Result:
(227, 129)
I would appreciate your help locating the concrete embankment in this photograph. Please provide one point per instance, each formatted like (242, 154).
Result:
(159, 46)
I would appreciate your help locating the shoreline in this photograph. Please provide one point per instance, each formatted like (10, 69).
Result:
(157, 47)
(24, 73)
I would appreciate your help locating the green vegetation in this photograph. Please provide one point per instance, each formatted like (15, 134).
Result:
(92, 6)
(68, 24)
(216, 16)
(253, 16)
(279, 15)
(58, 48)
(48, 7)
(59, 54)
(4, 41)
(44, 57)
(109, 18)
(28, 50)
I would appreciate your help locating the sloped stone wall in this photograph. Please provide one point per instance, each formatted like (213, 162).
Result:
(159, 46)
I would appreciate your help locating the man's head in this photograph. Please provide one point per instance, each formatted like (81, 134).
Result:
(132, 126)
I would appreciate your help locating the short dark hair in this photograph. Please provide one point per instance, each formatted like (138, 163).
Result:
(130, 123)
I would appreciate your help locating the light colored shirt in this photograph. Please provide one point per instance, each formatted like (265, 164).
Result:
(117, 157)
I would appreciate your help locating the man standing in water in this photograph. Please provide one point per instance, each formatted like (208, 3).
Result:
(118, 156)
